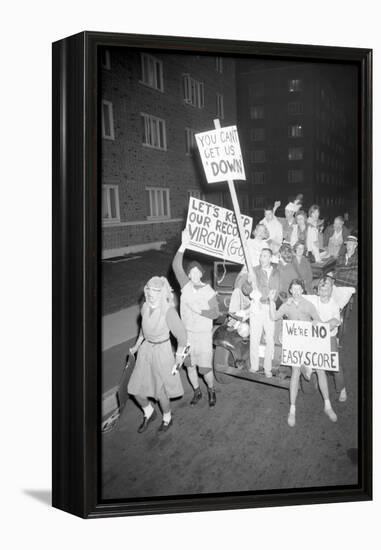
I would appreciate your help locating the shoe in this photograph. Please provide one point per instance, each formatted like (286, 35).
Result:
(212, 397)
(331, 414)
(268, 374)
(291, 420)
(343, 396)
(254, 371)
(146, 422)
(196, 397)
(164, 426)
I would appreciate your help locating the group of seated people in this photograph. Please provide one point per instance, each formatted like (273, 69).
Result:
(281, 252)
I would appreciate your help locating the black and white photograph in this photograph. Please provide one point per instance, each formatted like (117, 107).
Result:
(230, 292)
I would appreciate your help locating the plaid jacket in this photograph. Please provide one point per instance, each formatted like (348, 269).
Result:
(346, 274)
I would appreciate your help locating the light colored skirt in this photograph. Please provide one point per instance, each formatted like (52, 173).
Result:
(201, 349)
(152, 372)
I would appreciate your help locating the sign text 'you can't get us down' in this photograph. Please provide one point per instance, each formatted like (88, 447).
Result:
(221, 155)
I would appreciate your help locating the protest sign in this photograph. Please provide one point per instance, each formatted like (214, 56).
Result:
(213, 230)
(221, 155)
(304, 343)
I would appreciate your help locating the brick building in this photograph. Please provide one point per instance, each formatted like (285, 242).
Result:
(152, 104)
(298, 130)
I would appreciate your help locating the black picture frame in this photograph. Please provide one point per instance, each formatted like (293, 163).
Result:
(76, 276)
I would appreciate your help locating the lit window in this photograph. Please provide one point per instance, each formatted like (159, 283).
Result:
(257, 112)
(257, 134)
(157, 203)
(220, 106)
(295, 131)
(258, 178)
(193, 91)
(295, 153)
(105, 59)
(190, 142)
(219, 65)
(152, 72)
(258, 156)
(295, 108)
(153, 132)
(295, 176)
(110, 203)
(107, 120)
(295, 85)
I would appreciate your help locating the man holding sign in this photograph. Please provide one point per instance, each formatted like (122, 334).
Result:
(297, 308)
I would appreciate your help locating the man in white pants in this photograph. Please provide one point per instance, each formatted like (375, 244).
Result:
(267, 284)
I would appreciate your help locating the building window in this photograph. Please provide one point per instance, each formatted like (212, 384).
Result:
(107, 120)
(110, 203)
(194, 193)
(295, 153)
(295, 108)
(258, 156)
(295, 131)
(219, 65)
(190, 143)
(257, 90)
(295, 85)
(153, 132)
(257, 134)
(257, 112)
(193, 91)
(157, 203)
(152, 72)
(258, 178)
(220, 106)
(295, 176)
(105, 59)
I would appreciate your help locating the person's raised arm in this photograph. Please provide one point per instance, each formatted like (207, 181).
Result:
(276, 206)
(177, 264)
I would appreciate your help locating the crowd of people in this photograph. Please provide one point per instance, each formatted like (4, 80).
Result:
(280, 285)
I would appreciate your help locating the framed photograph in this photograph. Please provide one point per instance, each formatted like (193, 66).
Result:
(212, 274)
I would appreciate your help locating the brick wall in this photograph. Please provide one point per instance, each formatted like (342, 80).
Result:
(132, 166)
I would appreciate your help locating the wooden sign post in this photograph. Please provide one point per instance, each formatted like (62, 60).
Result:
(237, 213)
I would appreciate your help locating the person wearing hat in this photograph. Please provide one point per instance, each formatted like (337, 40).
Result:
(152, 377)
(288, 222)
(198, 309)
(334, 237)
(346, 270)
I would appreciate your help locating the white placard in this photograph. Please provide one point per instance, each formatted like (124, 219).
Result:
(305, 343)
(213, 230)
(221, 155)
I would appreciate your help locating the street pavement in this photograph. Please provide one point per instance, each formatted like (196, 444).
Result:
(243, 444)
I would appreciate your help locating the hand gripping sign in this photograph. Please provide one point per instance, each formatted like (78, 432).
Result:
(305, 343)
(221, 155)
